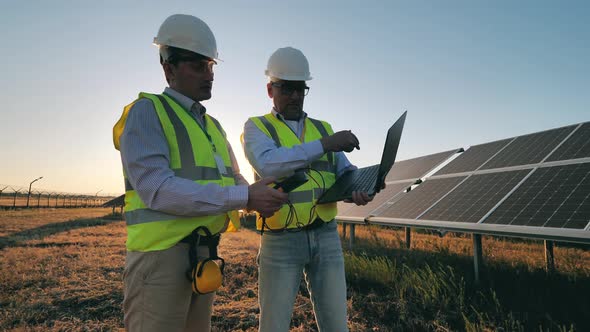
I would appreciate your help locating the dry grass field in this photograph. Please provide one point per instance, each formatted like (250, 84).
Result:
(61, 270)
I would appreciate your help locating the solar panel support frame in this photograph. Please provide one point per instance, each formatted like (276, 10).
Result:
(539, 233)
(354, 220)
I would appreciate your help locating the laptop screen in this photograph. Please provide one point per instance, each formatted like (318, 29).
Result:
(394, 135)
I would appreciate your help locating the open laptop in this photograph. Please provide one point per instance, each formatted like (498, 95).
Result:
(368, 179)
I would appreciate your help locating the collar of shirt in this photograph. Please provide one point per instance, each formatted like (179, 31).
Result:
(295, 125)
(195, 108)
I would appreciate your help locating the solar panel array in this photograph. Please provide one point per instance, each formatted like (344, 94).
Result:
(389, 194)
(474, 157)
(552, 197)
(413, 203)
(576, 146)
(402, 175)
(528, 149)
(417, 167)
(546, 184)
(475, 197)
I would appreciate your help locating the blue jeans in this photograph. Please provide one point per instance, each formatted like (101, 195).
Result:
(283, 259)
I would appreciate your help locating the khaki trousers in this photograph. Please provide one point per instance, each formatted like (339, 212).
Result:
(159, 297)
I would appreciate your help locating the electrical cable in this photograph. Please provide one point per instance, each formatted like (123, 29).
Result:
(292, 214)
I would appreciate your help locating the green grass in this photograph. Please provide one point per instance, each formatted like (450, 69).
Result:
(434, 296)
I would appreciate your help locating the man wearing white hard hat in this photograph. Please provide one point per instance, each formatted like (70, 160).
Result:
(182, 188)
(301, 239)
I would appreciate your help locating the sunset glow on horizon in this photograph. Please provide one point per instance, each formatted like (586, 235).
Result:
(467, 72)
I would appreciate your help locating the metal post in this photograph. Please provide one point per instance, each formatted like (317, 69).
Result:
(29, 194)
(477, 256)
(30, 185)
(351, 239)
(549, 258)
(408, 237)
(38, 200)
(96, 196)
(14, 201)
(1, 190)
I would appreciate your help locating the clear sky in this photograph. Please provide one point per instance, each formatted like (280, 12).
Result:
(468, 72)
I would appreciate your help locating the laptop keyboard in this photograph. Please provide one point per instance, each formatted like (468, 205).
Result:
(365, 179)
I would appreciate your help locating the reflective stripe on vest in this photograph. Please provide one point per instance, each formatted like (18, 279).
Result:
(191, 157)
(304, 197)
(194, 173)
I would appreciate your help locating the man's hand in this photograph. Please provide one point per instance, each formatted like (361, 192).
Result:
(359, 198)
(341, 141)
(264, 199)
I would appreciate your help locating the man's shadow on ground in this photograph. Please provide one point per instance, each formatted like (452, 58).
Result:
(37, 233)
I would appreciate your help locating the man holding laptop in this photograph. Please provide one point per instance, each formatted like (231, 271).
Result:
(301, 238)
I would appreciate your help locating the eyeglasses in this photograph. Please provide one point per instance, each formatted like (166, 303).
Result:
(288, 89)
(199, 65)
(203, 66)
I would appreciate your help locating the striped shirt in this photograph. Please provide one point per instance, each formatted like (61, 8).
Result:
(269, 160)
(146, 159)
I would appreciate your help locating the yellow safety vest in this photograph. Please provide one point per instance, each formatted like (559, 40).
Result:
(304, 197)
(191, 157)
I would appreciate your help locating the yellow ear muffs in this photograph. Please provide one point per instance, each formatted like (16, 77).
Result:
(207, 276)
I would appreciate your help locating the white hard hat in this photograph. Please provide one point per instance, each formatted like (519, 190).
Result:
(186, 32)
(288, 64)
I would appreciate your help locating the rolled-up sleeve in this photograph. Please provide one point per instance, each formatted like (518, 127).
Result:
(146, 158)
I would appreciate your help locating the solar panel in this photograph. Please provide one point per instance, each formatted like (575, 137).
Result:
(473, 157)
(386, 195)
(529, 149)
(556, 196)
(470, 201)
(417, 167)
(576, 146)
(413, 203)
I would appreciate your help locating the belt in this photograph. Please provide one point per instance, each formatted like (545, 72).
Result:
(317, 223)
